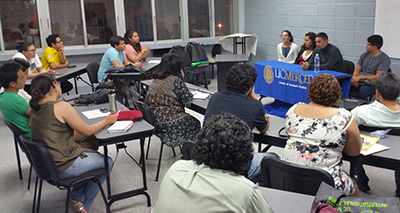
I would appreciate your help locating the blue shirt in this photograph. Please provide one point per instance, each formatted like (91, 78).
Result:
(110, 55)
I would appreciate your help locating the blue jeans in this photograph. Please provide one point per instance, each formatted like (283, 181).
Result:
(366, 91)
(88, 191)
(254, 169)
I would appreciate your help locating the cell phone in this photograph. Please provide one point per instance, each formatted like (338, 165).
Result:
(71, 66)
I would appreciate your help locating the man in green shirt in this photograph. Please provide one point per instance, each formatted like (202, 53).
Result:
(14, 108)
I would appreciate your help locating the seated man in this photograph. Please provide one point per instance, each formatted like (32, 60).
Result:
(53, 58)
(384, 112)
(114, 57)
(212, 181)
(329, 55)
(240, 100)
(15, 109)
(370, 66)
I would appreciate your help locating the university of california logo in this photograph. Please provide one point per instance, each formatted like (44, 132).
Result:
(268, 74)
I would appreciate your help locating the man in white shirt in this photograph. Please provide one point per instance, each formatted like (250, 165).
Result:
(384, 112)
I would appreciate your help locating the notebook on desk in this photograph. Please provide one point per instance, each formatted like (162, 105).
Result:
(120, 126)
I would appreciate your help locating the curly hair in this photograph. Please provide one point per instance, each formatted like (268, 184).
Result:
(324, 90)
(225, 142)
(241, 77)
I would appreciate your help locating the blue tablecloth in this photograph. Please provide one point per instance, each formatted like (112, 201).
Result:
(289, 82)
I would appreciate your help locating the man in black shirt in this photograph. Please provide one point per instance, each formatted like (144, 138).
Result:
(330, 56)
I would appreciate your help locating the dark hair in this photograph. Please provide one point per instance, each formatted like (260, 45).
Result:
(241, 77)
(52, 39)
(24, 63)
(40, 85)
(23, 46)
(289, 33)
(388, 85)
(128, 35)
(115, 40)
(224, 142)
(170, 65)
(375, 40)
(322, 35)
(324, 90)
(311, 36)
(9, 73)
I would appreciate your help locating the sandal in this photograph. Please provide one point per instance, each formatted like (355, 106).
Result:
(76, 206)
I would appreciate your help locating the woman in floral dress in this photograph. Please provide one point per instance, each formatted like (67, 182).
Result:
(167, 97)
(318, 133)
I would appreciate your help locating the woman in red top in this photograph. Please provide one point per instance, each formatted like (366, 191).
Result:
(306, 49)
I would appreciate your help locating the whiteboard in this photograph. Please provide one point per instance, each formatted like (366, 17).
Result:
(387, 24)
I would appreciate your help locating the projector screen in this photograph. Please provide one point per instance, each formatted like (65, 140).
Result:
(387, 24)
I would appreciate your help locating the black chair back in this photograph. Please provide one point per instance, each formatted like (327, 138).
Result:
(349, 66)
(187, 148)
(92, 70)
(42, 160)
(216, 50)
(393, 130)
(292, 177)
(16, 132)
(146, 111)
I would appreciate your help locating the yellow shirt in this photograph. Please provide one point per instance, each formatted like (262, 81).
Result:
(50, 55)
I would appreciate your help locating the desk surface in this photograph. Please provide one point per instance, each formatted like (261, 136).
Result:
(284, 201)
(138, 130)
(231, 58)
(67, 73)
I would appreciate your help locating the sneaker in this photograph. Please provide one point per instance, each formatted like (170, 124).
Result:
(364, 187)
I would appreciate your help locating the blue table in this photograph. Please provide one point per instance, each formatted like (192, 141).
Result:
(289, 82)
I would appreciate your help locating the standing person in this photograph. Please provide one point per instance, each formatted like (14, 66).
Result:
(330, 56)
(212, 181)
(167, 97)
(306, 49)
(14, 108)
(114, 57)
(370, 66)
(53, 56)
(319, 133)
(52, 125)
(133, 49)
(27, 51)
(287, 50)
(384, 112)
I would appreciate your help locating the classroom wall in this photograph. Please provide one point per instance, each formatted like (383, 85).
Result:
(348, 23)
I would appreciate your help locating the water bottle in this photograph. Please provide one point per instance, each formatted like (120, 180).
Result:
(112, 101)
(316, 63)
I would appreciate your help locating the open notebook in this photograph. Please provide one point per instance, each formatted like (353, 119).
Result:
(120, 126)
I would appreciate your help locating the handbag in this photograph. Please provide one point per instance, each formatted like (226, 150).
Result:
(98, 97)
(350, 204)
(196, 51)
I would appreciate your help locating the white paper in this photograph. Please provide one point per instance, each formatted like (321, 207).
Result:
(200, 95)
(96, 113)
(120, 126)
(374, 149)
(154, 61)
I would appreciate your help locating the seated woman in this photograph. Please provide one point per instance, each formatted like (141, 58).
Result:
(167, 97)
(287, 50)
(212, 181)
(306, 49)
(134, 51)
(319, 133)
(52, 124)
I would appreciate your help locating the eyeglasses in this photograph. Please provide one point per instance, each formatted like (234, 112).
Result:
(59, 41)
(284, 35)
(34, 50)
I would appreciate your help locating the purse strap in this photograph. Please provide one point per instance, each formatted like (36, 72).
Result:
(282, 134)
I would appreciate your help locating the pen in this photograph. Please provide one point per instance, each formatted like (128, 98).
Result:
(120, 110)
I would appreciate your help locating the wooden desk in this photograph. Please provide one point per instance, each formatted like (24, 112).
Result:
(284, 201)
(67, 73)
(140, 130)
(224, 64)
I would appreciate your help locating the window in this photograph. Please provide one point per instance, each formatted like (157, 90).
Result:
(138, 17)
(223, 17)
(199, 18)
(167, 17)
(19, 23)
